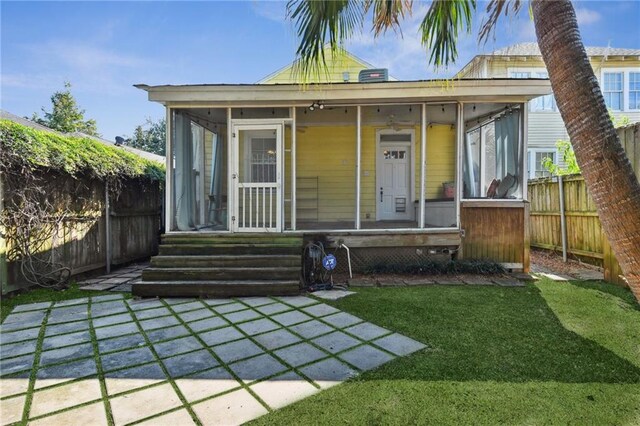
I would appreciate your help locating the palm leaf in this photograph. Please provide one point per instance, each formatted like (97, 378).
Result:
(495, 9)
(441, 26)
(320, 23)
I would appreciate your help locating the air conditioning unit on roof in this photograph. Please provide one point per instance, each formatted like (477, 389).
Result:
(372, 75)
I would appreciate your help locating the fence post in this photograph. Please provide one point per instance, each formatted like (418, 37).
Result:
(563, 219)
(107, 226)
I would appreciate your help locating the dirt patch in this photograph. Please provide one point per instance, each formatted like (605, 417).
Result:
(545, 261)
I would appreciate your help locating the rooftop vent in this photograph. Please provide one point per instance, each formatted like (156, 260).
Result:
(371, 75)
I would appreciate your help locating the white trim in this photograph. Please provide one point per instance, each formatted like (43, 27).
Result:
(423, 163)
(168, 188)
(358, 160)
(231, 196)
(412, 174)
(459, 151)
(524, 141)
(500, 90)
(294, 168)
(625, 85)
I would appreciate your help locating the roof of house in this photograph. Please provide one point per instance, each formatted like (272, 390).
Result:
(6, 115)
(352, 93)
(532, 49)
(337, 64)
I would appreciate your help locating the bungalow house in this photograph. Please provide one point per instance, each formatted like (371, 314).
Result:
(618, 71)
(395, 171)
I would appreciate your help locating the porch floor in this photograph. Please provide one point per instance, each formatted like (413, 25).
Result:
(337, 225)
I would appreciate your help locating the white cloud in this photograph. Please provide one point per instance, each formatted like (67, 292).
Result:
(587, 16)
(89, 67)
(272, 10)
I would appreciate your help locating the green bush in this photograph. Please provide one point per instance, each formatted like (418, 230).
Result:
(429, 266)
(21, 146)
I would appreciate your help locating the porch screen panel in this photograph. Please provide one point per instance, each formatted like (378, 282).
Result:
(492, 153)
(325, 168)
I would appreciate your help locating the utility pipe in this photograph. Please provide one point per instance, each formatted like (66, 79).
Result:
(348, 258)
(563, 219)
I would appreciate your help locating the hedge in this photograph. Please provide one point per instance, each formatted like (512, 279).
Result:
(22, 146)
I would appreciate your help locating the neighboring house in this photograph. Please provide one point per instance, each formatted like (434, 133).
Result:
(6, 115)
(390, 169)
(618, 71)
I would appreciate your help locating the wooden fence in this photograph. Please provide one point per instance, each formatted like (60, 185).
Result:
(80, 243)
(585, 238)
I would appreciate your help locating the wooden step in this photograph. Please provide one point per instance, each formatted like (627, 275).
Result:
(216, 288)
(232, 239)
(228, 249)
(247, 260)
(208, 274)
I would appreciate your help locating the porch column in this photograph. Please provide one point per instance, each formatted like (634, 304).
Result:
(230, 181)
(358, 155)
(524, 145)
(168, 188)
(293, 168)
(459, 151)
(423, 162)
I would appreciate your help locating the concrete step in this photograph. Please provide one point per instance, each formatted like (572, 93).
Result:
(231, 274)
(247, 260)
(229, 249)
(216, 288)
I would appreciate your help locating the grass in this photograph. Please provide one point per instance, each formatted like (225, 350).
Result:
(35, 295)
(553, 353)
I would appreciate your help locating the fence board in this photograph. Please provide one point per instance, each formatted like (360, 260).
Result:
(80, 243)
(585, 237)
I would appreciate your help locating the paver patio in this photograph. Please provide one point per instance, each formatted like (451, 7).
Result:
(179, 361)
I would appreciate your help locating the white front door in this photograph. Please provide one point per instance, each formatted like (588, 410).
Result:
(394, 175)
(257, 178)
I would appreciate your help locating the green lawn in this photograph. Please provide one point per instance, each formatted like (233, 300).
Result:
(549, 353)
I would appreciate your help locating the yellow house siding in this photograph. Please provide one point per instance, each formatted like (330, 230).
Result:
(342, 63)
(328, 153)
(441, 159)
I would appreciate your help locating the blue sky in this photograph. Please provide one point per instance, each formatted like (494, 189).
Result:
(103, 48)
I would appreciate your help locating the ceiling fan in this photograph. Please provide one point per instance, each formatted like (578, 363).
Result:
(398, 124)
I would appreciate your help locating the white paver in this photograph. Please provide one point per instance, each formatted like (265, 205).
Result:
(177, 418)
(92, 414)
(11, 409)
(284, 390)
(234, 408)
(65, 396)
(206, 384)
(144, 403)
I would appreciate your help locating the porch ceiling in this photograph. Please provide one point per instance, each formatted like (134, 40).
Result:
(223, 95)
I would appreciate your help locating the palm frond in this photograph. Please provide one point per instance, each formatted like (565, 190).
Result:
(442, 24)
(387, 14)
(495, 9)
(319, 23)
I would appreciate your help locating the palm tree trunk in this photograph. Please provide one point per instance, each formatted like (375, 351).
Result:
(606, 169)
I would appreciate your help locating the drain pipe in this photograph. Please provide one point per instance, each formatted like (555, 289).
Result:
(107, 226)
(348, 258)
(563, 219)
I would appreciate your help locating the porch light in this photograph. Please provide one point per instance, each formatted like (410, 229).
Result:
(317, 104)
